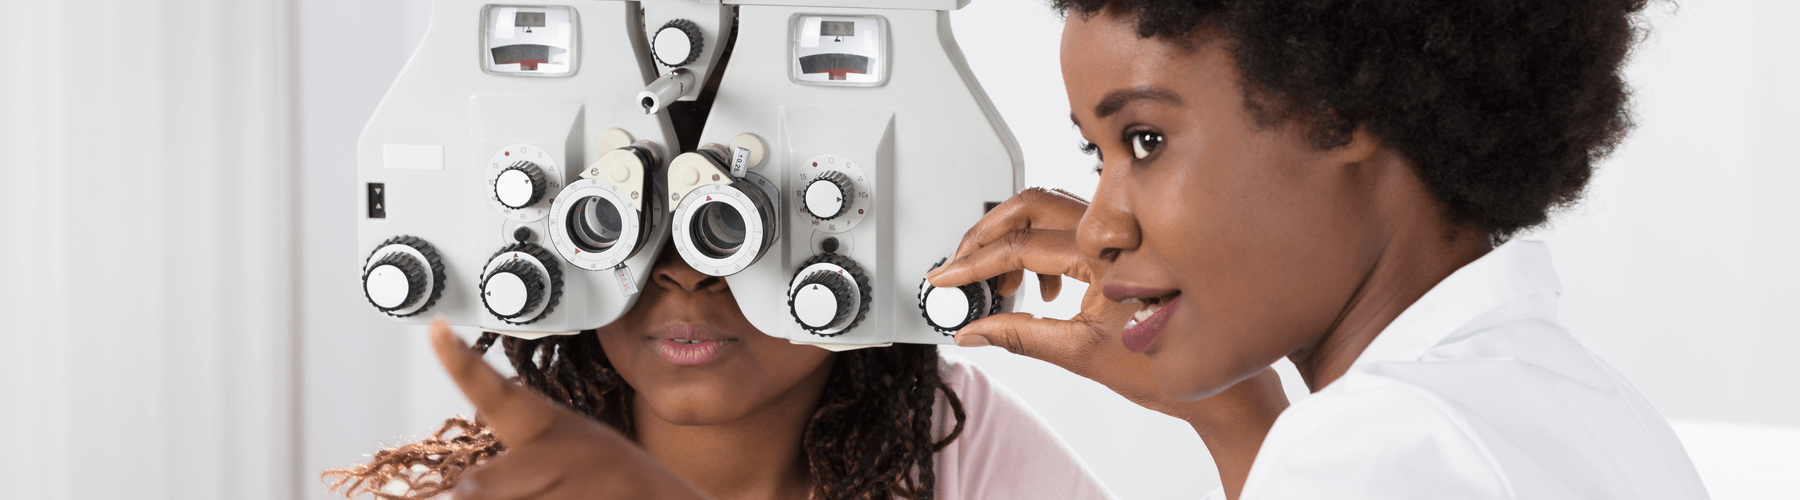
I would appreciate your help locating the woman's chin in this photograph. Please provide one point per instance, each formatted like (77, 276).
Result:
(693, 406)
(1184, 377)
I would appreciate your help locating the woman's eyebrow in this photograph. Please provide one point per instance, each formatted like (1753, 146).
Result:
(1117, 99)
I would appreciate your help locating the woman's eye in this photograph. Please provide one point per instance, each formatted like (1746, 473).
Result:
(1144, 143)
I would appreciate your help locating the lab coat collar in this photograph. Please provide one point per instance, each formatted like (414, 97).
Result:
(1514, 270)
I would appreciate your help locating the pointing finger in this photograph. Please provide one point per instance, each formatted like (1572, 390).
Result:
(1037, 250)
(516, 414)
(1034, 207)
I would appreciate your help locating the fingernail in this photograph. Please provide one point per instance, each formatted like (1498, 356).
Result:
(972, 341)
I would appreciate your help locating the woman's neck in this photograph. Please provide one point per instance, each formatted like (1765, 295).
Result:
(756, 457)
(1417, 248)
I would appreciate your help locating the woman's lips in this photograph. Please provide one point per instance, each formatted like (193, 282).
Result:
(1140, 332)
(688, 352)
(1121, 293)
(689, 344)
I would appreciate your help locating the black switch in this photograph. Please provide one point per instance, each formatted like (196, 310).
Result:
(377, 201)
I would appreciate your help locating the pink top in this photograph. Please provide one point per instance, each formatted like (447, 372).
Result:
(1005, 451)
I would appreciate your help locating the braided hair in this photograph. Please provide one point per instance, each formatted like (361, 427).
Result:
(870, 437)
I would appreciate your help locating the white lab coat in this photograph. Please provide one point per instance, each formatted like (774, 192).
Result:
(1476, 392)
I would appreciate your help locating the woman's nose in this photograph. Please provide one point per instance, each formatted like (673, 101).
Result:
(674, 273)
(1108, 227)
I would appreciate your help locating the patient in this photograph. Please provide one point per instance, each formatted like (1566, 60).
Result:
(740, 414)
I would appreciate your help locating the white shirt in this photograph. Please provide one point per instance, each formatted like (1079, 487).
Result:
(1476, 392)
(1005, 450)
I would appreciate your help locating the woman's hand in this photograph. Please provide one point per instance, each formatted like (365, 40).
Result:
(1035, 231)
(551, 452)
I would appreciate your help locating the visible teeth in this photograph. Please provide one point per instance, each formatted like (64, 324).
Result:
(685, 341)
(1145, 313)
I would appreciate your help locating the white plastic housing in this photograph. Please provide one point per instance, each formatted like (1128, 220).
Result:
(431, 139)
(931, 143)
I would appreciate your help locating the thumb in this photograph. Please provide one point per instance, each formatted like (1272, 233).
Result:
(516, 414)
(1059, 342)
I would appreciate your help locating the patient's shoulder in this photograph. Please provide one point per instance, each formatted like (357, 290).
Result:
(1005, 450)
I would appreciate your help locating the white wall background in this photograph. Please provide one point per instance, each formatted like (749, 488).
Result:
(176, 212)
(146, 230)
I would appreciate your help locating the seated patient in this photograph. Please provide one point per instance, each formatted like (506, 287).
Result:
(740, 414)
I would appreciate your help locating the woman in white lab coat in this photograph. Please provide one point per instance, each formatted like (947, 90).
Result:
(1339, 184)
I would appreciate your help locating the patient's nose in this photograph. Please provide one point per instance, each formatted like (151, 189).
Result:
(674, 273)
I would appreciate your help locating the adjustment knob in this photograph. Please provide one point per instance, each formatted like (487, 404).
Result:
(952, 308)
(520, 185)
(829, 295)
(828, 196)
(822, 300)
(522, 283)
(403, 276)
(949, 309)
(677, 43)
(394, 281)
(512, 289)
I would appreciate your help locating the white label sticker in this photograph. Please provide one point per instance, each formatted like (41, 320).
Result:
(626, 284)
(412, 157)
(740, 161)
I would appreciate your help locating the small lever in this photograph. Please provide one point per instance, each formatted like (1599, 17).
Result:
(669, 88)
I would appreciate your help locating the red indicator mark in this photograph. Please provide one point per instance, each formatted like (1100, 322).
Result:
(815, 164)
(507, 153)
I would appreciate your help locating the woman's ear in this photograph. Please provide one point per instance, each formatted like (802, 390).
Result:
(1361, 147)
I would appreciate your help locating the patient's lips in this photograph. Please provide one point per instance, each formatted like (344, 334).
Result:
(689, 344)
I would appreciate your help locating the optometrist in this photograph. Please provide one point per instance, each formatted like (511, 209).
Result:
(1337, 183)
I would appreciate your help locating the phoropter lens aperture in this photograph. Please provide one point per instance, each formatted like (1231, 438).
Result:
(595, 223)
(719, 230)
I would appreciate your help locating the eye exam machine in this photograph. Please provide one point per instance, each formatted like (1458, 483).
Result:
(531, 161)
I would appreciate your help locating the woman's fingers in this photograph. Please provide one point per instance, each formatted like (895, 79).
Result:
(1049, 286)
(1051, 340)
(1034, 207)
(516, 414)
(1041, 251)
(516, 475)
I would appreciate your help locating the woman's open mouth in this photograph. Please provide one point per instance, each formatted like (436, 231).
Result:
(1147, 324)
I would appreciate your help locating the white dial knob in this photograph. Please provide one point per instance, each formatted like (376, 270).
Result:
(394, 282)
(520, 185)
(828, 196)
(677, 43)
(521, 284)
(829, 295)
(403, 276)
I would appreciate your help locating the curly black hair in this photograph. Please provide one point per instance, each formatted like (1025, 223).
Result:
(869, 439)
(1503, 106)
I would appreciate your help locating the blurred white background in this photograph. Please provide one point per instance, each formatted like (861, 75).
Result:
(177, 221)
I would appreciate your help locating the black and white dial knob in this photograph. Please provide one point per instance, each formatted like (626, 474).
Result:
(520, 185)
(952, 308)
(677, 43)
(521, 283)
(403, 276)
(829, 295)
(823, 300)
(949, 309)
(828, 195)
(512, 289)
